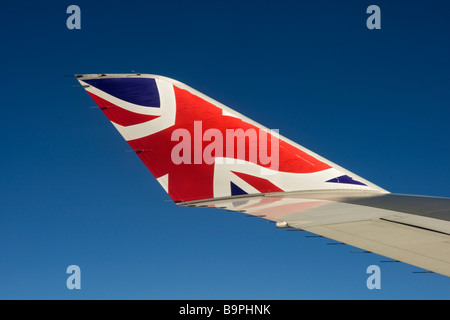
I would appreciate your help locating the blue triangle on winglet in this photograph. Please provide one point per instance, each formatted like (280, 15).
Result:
(345, 179)
(235, 190)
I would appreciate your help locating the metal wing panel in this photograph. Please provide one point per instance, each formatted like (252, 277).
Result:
(411, 229)
(419, 247)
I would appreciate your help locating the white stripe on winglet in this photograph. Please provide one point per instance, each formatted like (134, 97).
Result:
(167, 118)
(164, 181)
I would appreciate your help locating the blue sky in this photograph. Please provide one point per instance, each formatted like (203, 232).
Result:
(373, 101)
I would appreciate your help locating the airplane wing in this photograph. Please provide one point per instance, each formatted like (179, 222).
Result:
(205, 154)
(411, 229)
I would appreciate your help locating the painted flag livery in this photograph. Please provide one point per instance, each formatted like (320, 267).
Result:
(208, 155)
(149, 111)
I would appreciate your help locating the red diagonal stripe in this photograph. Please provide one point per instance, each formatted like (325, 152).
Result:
(119, 115)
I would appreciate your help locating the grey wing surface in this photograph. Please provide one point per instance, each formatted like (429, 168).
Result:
(410, 229)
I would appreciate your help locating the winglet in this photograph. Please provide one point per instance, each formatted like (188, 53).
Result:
(199, 149)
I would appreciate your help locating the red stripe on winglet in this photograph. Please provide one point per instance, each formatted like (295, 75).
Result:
(119, 115)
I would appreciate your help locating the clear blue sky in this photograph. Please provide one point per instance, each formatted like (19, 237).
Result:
(376, 102)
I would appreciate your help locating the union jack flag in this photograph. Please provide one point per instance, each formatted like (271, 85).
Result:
(147, 110)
